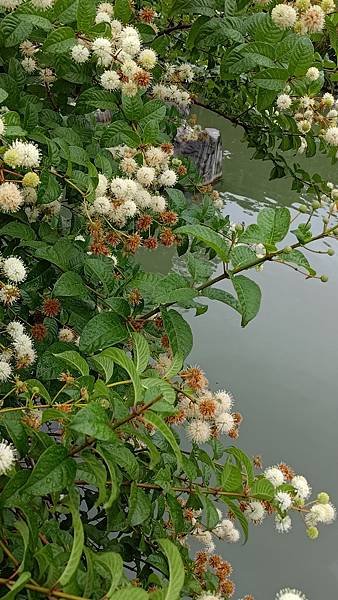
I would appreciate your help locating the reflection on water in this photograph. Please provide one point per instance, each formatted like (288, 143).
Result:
(282, 370)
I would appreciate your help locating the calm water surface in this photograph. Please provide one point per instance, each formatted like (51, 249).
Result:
(282, 371)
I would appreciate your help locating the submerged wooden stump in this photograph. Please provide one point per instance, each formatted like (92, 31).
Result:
(206, 151)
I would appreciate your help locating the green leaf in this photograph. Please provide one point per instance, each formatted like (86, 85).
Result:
(301, 56)
(130, 593)
(86, 13)
(176, 365)
(163, 428)
(231, 478)
(153, 110)
(238, 513)
(59, 40)
(139, 506)
(78, 542)
(114, 563)
(75, 360)
(178, 331)
(272, 79)
(244, 460)
(70, 284)
(263, 489)
(274, 224)
(53, 472)
(109, 459)
(3, 95)
(132, 107)
(118, 133)
(17, 586)
(121, 358)
(176, 570)
(103, 330)
(142, 351)
(222, 296)
(209, 237)
(242, 256)
(249, 297)
(105, 364)
(49, 188)
(92, 420)
(92, 470)
(122, 10)
(297, 258)
(23, 529)
(43, 393)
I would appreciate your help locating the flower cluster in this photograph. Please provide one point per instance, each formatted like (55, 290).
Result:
(14, 272)
(19, 353)
(7, 454)
(317, 114)
(302, 16)
(213, 567)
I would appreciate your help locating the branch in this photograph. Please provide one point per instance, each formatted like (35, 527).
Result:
(43, 590)
(179, 27)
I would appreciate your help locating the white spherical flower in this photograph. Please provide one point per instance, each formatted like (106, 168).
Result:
(290, 594)
(199, 431)
(283, 524)
(7, 457)
(130, 31)
(80, 54)
(102, 17)
(102, 185)
(304, 126)
(168, 178)
(5, 372)
(313, 20)
(284, 500)
(10, 4)
(312, 74)
(15, 329)
(128, 165)
(332, 114)
(102, 50)
(115, 29)
(208, 596)
(224, 422)
(106, 7)
(2, 126)
(283, 101)
(328, 100)
(234, 536)
(66, 335)
(23, 343)
(129, 208)
(301, 486)
(274, 475)
(320, 513)
(224, 529)
(330, 513)
(158, 204)
(147, 59)
(303, 146)
(102, 205)
(129, 89)
(331, 136)
(225, 401)
(145, 175)
(284, 16)
(14, 269)
(143, 199)
(110, 80)
(155, 157)
(22, 154)
(130, 44)
(42, 4)
(129, 67)
(29, 64)
(185, 73)
(255, 512)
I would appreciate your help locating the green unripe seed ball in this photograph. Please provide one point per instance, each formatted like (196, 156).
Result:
(331, 252)
(323, 498)
(287, 249)
(315, 204)
(35, 390)
(324, 278)
(239, 227)
(299, 502)
(302, 208)
(312, 533)
(325, 220)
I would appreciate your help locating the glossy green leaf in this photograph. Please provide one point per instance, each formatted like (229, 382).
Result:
(103, 330)
(249, 297)
(75, 360)
(121, 358)
(176, 569)
(142, 351)
(78, 542)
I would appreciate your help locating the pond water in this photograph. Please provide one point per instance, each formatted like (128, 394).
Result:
(281, 370)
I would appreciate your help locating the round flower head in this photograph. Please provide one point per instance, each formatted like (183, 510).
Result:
(115, 29)
(255, 511)
(80, 54)
(301, 486)
(11, 197)
(274, 475)
(129, 89)
(208, 596)
(312, 74)
(331, 136)
(2, 126)
(15, 329)
(283, 524)
(102, 205)
(225, 401)
(29, 64)
(313, 19)
(130, 44)
(31, 180)
(283, 101)
(328, 100)
(66, 335)
(168, 178)
(284, 500)
(5, 372)
(158, 204)
(14, 269)
(155, 157)
(102, 185)
(10, 4)
(147, 59)
(199, 431)
(22, 154)
(145, 175)
(102, 17)
(290, 594)
(224, 422)
(7, 457)
(106, 7)
(110, 80)
(102, 50)
(143, 198)
(284, 16)
(129, 208)
(129, 67)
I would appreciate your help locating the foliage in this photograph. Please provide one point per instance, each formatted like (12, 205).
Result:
(98, 496)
